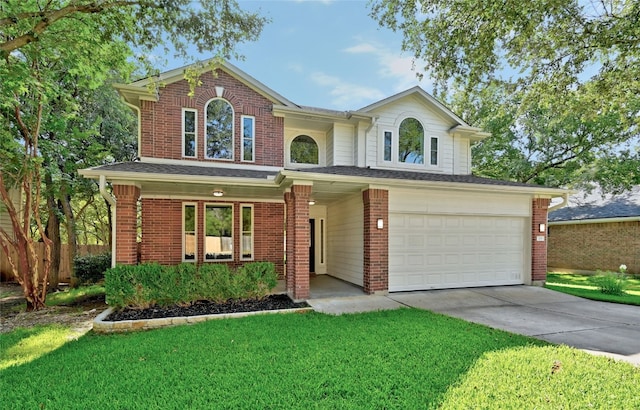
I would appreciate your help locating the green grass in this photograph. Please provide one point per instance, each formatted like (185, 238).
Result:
(392, 359)
(580, 285)
(71, 295)
(25, 345)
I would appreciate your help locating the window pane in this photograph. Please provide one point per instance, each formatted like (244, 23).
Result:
(247, 139)
(411, 142)
(387, 145)
(189, 145)
(218, 232)
(189, 121)
(247, 232)
(219, 130)
(304, 150)
(434, 151)
(189, 232)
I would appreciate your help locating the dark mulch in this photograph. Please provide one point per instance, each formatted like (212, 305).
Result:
(203, 307)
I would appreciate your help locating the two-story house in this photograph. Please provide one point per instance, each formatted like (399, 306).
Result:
(382, 197)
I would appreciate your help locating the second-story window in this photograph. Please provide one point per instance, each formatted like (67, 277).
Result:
(304, 150)
(411, 142)
(189, 126)
(248, 138)
(219, 130)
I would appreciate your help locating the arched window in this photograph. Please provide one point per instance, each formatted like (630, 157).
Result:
(219, 130)
(304, 150)
(411, 142)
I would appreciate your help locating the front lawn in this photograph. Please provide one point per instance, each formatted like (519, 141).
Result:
(404, 358)
(580, 285)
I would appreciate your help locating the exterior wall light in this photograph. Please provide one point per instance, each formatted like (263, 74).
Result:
(543, 228)
(380, 223)
(218, 193)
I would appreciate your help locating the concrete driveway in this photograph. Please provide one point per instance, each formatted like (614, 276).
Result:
(598, 327)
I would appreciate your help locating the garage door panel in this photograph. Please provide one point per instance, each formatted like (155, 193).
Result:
(448, 251)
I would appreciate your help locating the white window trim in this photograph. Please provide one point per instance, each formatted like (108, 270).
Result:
(253, 138)
(437, 164)
(195, 133)
(233, 131)
(204, 221)
(253, 233)
(195, 217)
(393, 149)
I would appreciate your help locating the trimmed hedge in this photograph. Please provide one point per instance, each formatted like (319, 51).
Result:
(89, 269)
(149, 284)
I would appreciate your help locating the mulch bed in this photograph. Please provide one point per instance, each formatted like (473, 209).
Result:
(203, 307)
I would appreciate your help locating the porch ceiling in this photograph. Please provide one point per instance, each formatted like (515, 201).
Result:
(203, 190)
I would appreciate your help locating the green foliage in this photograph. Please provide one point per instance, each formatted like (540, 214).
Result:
(611, 283)
(90, 269)
(554, 82)
(401, 359)
(582, 285)
(148, 284)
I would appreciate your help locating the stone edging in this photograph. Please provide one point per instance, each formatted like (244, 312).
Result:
(100, 325)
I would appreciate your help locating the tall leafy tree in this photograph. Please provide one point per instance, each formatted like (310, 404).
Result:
(557, 82)
(45, 46)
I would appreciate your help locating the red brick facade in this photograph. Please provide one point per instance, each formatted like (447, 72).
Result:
(126, 223)
(297, 203)
(376, 241)
(162, 232)
(161, 121)
(539, 212)
(595, 246)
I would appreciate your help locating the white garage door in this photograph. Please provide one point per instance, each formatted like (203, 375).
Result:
(448, 251)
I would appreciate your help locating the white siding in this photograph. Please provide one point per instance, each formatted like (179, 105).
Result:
(345, 226)
(458, 202)
(435, 125)
(462, 156)
(329, 150)
(343, 144)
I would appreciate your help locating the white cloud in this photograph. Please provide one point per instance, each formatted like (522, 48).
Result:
(393, 66)
(346, 95)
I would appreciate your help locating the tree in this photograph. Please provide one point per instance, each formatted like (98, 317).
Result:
(46, 45)
(556, 82)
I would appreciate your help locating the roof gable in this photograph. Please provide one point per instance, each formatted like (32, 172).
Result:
(140, 90)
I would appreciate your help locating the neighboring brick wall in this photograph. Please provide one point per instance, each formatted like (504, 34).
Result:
(590, 247)
(126, 223)
(297, 203)
(539, 248)
(162, 232)
(161, 122)
(376, 241)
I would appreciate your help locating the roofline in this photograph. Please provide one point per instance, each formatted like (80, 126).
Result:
(177, 74)
(413, 90)
(311, 176)
(323, 114)
(128, 176)
(596, 221)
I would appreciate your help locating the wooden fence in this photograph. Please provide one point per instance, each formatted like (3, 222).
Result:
(66, 266)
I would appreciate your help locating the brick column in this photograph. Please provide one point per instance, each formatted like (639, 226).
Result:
(297, 202)
(539, 247)
(376, 241)
(126, 223)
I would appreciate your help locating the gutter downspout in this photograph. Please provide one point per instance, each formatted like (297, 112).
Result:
(112, 201)
(565, 199)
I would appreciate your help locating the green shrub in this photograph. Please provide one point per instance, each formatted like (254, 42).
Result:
(89, 269)
(610, 283)
(149, 284)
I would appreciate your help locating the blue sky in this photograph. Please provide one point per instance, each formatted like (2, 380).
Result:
(327, 54)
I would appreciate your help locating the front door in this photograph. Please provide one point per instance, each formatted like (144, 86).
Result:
(312, 245)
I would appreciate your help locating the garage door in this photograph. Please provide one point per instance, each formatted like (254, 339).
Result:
(450, 251)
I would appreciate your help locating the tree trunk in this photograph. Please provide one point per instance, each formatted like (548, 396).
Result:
(70, 222)
(53, 232)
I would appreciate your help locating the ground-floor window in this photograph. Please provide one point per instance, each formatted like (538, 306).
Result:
(246, 243)
(218, 221)
(189, 238)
